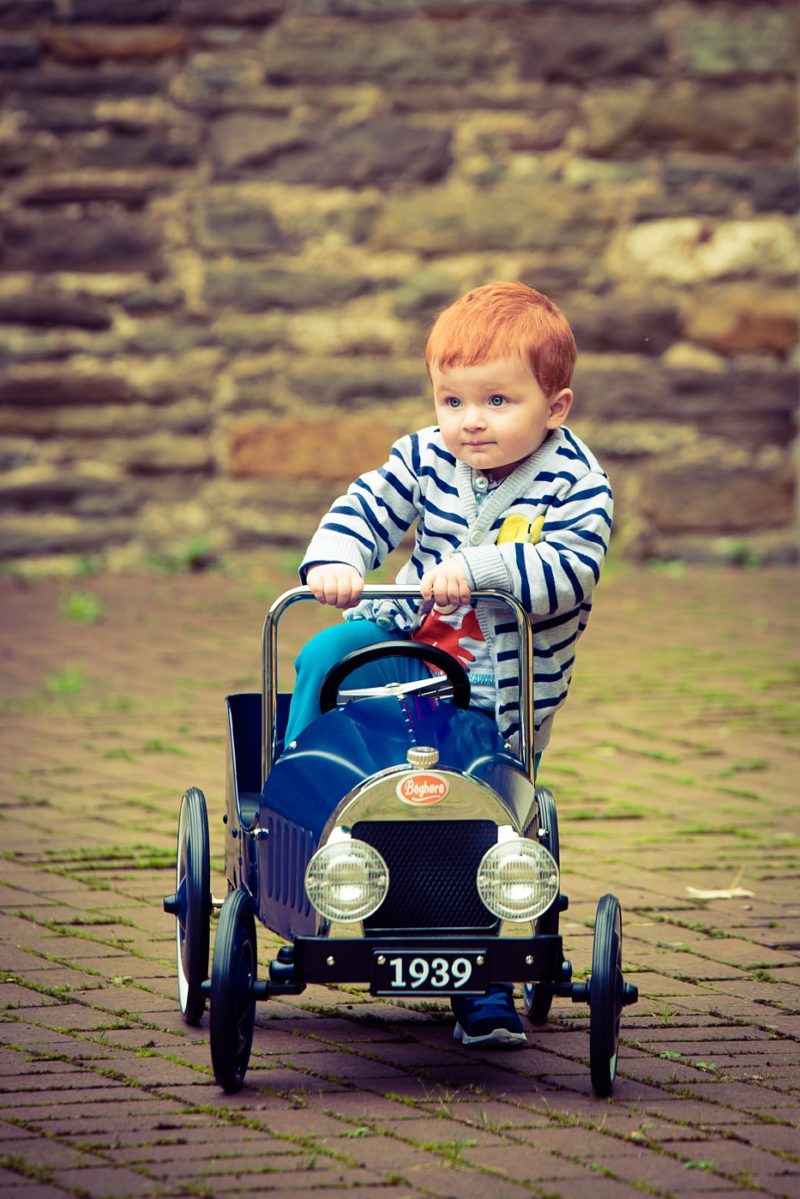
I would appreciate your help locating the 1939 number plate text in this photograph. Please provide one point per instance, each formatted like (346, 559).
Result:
(414, 972)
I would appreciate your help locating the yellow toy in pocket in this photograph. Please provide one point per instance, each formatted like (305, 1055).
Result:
(519, 528)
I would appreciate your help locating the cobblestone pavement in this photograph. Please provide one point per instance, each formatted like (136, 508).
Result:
(675, 767)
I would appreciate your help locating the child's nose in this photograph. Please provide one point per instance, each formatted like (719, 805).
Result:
(474, 417)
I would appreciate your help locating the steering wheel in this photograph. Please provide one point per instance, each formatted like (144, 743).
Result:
(454, 671)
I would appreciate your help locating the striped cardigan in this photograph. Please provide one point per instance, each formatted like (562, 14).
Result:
(541, 534)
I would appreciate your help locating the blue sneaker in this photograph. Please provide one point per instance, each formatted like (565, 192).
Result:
(489, 1019)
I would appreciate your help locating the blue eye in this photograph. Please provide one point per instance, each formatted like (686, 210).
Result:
(453, 402)
(496, 401)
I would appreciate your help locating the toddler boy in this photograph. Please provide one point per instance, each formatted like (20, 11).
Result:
(504, 496)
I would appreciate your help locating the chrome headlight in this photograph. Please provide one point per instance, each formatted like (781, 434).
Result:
(518, 879)
(347, 880)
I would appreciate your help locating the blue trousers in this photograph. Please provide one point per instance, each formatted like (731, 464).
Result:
(325, 649)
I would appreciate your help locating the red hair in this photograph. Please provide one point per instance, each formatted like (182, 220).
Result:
(500, 320)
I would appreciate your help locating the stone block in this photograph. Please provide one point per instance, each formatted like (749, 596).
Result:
(311, 497)
(718, 188)
(777, 548)
(98, 44)
(255, 512)
(232, 12)
(255, 289)
(335, 52)
(155, 297)
(140, 149)
(22, 12)
(394, 390)
(752, 405)
(590, 47)
(43, 486)
(93, 79)
(453, 10)
(171, 455)
(335, 450)
(165, 334)
(356, 383)
(744, 318)
(701, 117)
(67, 189)
(424, 293)
(542, 122)
(242, 140)
(625, 441)
(361, 330)
(54, 309)
(210, 84)
(760, 39)
(563, 270)
(227, 224)
(18, 156)
(122, 12)
(53, 389)
(84, 426)
(89, 243)
(380, 151)
(717, 496)
(27, 534)
(694, 250)
(18, 50)
(240, 334)
(452, 219)
(625, 322)
(58, 116)
(776, 187)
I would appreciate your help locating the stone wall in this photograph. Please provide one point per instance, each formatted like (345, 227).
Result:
(226, 227)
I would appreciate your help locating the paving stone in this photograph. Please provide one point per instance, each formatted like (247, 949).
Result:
(101, 1181)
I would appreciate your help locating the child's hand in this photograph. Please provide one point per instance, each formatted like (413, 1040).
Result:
(446, 584)
(335, 583)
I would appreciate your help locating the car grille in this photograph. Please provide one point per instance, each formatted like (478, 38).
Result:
(432, 873)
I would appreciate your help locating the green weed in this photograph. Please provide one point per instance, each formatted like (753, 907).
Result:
(197, 555)
(156, 746)
(16, 1163)
(69, 681)
(83, 607)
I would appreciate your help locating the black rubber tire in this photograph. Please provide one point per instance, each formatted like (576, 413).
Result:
(537, 997)
(233, 1005)
(605, 995)
(193, 904)
(394, 649)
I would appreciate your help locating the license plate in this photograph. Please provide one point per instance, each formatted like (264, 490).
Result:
(419, 972)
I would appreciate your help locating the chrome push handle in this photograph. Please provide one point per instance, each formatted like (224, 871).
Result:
(386, 591)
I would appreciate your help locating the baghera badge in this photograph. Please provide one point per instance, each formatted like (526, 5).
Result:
(422, 789)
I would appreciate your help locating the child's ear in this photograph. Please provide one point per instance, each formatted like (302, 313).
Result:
(559, 407)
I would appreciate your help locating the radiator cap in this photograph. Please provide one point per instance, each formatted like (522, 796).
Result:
(422, 757)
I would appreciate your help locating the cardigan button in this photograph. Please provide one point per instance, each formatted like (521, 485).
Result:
(475, 537)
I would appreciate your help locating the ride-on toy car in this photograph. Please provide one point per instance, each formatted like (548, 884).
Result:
(397, 843)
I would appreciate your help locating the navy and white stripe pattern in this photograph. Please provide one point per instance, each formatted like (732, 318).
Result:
(553, 578)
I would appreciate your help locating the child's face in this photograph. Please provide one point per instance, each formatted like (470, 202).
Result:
(495, 414)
